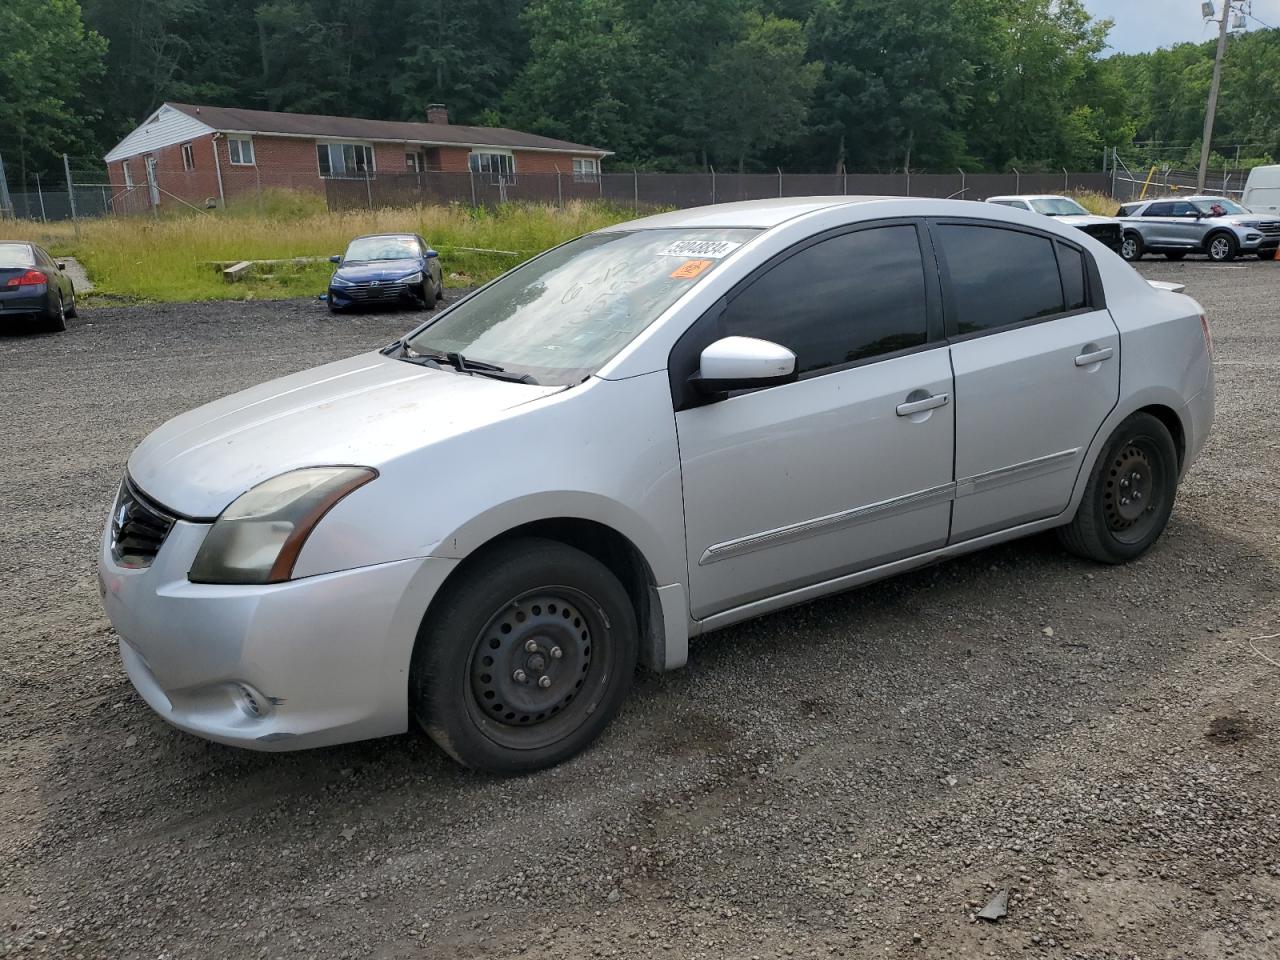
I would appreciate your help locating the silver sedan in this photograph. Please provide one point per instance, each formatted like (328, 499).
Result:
(646, 434)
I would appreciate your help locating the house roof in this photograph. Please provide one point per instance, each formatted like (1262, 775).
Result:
(237, 120)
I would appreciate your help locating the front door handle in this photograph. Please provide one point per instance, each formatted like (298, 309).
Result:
(920, 406)
(1094, 356)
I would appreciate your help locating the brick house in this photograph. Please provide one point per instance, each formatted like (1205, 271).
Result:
(207, 156)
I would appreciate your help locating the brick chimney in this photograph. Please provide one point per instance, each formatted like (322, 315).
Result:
(437, 113)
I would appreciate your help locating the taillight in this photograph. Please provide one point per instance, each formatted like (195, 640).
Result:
(1208, 336)
(29, 279)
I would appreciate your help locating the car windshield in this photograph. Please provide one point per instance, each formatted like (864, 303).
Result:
(1224, 207)
(366, 249)
(16, 255)
(562, 315)
(1058, 207)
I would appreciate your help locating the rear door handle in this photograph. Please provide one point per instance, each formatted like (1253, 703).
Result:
(920, 406)
(1094, 356)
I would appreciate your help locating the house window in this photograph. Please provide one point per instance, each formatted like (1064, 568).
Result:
(344, 159)
(128, 176)
(241, 150)
(413, 162)
(188, 158)
(497, 166)
(586, 169)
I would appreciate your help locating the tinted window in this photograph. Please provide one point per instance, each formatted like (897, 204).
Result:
(1184, 209)
(1000, 277)
(1071, 262)
(1159, 210)
(854, 296)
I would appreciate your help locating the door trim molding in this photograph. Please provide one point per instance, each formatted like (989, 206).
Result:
(804, 529)
(943, 493)
(1016, 472)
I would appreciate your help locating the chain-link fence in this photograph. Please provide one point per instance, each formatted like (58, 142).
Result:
(1141, 181)
(141, 186)
(656, 190)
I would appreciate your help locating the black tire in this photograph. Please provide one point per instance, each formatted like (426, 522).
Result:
(1109, 526)
(524, 610)
(56, 320)
(1131, 247)
(440, 289)
(72, 311)
(1221, 247)
(1175, 254)
(428, 296)
(332, 308)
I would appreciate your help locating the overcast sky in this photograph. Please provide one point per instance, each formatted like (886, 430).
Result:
(1147, 24)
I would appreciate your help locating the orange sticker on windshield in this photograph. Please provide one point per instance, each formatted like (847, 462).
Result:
(690, 269)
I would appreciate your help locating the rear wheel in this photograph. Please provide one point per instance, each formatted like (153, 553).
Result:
(56, 320)
(524, 660)
(72, 312)
(1130, 494)
(1131, 246)
(1175, 254)
(1221, 247)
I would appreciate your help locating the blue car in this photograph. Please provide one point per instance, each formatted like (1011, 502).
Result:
(389, 269)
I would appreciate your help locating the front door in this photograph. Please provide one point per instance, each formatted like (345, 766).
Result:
(1037, 370)
(850, 466)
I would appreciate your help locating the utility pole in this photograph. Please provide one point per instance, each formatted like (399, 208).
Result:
(1212, 107)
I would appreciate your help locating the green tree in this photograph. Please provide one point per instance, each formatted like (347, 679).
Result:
(762, 88)
(48, 60)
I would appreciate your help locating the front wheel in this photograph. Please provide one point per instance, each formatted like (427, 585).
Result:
(1131, 247)
(1222, 247)
(1129, 496)
(524, 660)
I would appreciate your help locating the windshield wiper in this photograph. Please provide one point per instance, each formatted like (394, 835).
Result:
(463, 365)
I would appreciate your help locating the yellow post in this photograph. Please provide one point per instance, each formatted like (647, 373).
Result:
(1150, 173)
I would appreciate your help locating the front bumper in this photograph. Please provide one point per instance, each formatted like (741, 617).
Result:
(316, 661)
(386, 293)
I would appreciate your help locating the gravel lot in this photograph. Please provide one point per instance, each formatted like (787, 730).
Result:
(855, 777)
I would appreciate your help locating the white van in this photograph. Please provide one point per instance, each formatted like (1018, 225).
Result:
(1262, 189)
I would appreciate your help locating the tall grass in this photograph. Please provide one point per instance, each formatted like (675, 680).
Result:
(1096, 203)
(172, 257)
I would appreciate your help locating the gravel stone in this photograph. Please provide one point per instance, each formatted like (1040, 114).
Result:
(854, 777)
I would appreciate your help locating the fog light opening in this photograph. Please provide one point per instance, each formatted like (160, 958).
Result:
(254, 704)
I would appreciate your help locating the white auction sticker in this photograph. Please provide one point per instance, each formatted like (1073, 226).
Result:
(704, 249)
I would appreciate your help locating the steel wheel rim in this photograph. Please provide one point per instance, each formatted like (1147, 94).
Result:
(1218, 249)
(1128, 248)
(1133, 496)
(539, 668)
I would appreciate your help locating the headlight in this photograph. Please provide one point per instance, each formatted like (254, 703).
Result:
(258, 538)
(337, 281)
(413, 278)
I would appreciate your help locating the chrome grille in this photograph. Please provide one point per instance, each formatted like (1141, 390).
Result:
(375, 290)
(1268, 228)
(138, 528)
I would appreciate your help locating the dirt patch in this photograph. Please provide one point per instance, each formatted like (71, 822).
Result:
(1232, 729)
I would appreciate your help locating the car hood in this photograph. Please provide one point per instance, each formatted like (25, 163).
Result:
(364, 411)
(377, 270)
(1084, 220)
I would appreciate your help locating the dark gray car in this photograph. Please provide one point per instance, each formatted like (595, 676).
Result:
(1216, 226)
(33, 286)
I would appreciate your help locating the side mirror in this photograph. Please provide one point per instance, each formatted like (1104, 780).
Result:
(336, 258)
(431, 254)
(743, 363)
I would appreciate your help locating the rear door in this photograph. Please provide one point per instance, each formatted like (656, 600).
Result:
(1158, 225)
(1037, 369)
